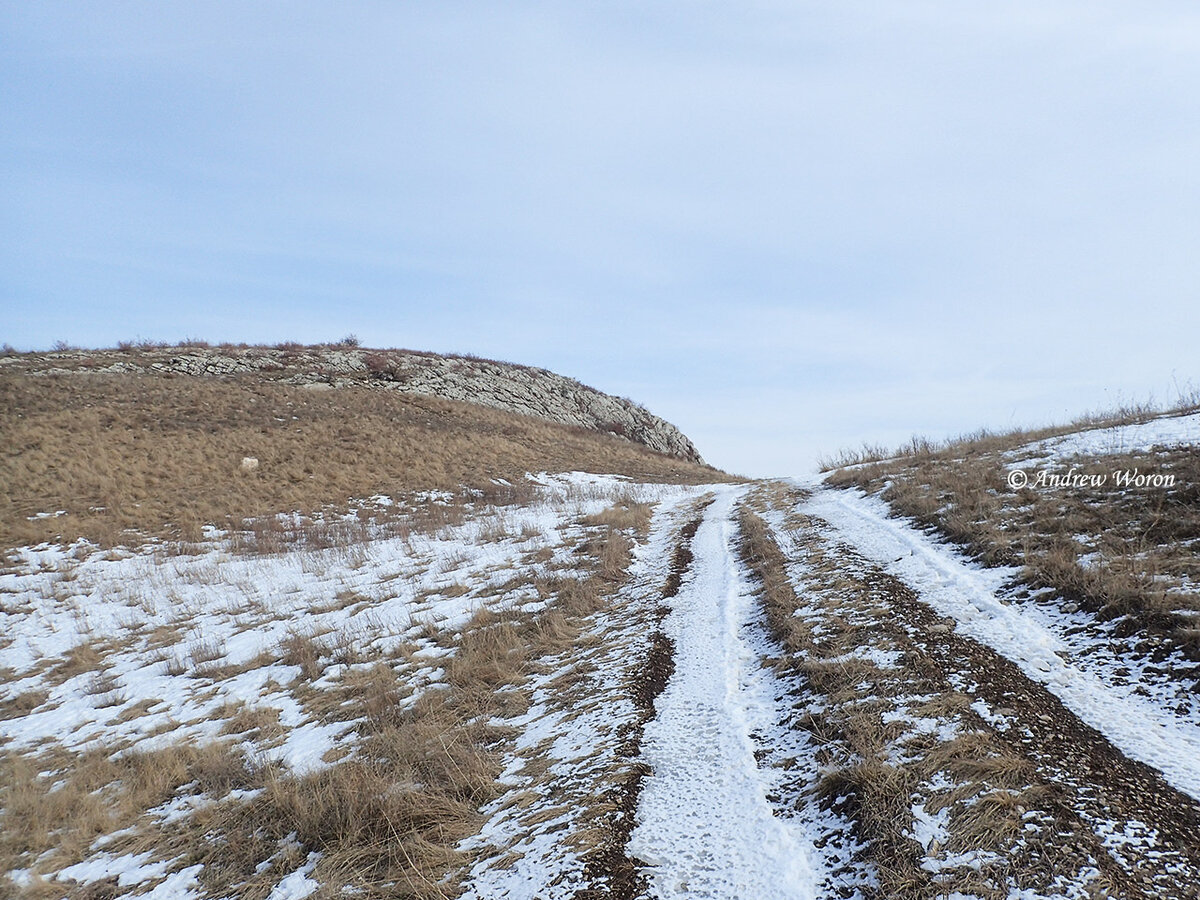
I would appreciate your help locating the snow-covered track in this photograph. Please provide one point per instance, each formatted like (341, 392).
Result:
(706, 824)
(998, 770)
(956, 587)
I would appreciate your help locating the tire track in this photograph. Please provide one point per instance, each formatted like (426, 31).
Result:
(1095, 805)
(707, 826)
(621, 876)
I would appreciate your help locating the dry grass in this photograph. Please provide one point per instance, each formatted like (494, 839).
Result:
(1128, 554)
(161, 456)
(386, 819)
(87, 656)
(987, 441)
(23, 704)
(625, 514)
(92, 794)
(874, 770)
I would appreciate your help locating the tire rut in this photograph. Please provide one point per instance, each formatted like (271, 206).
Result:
(1081, 815)
(1100, 783)
(621, 876)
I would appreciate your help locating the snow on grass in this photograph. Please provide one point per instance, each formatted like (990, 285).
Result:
(167, 630)
(137, 650)
(566, 749)
(133, 870)
(1137, 711)
(1165, 431)
(297, 885)
(837, 605)
(128, 869)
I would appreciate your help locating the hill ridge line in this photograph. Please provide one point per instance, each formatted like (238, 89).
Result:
(511, 387)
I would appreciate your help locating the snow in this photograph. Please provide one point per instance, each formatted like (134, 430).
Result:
(236, 608)
(128, 869)
(184, 641)
(1165, 431)
(709, 824)
(134, 869)
(1132, 714)
(298, 884)
(705, 827)
(930, 830)
(579, 742)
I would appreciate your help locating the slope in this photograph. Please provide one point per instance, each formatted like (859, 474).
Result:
(94, 454)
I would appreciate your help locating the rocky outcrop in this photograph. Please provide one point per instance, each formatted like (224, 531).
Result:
(515, 388)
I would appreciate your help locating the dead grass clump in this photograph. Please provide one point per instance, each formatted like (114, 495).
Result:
(371, 828)
(626, 514)
(520, 492)
(139, 709)
(613, 555)
(494, 650)
(205, 651)
(87, 656)
(612, 547)
(393, 814)
(579, 597)
(52, 807)
(879, 799)
(106, 690)
(304, 651)
(23, 704)
(382, 695)
(260, 720)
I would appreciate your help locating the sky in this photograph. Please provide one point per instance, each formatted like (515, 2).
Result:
(787, 227)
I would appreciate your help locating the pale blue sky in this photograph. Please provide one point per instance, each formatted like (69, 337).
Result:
(786, 227)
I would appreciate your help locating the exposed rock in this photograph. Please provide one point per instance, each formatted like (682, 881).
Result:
(515, 388)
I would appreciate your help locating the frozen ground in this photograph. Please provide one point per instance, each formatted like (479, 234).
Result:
(724, 774)
(706, 827)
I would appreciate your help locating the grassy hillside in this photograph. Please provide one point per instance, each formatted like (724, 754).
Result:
(101, 453)
(406, 670)
(1124, 551)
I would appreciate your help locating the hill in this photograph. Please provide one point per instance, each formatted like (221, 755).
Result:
(420, 652)
(152, 439)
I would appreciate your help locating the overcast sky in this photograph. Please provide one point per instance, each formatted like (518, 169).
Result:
(786, 227)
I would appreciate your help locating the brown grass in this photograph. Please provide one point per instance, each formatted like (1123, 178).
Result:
(162, 456)
(987, 441)
(94, 794)
(389, 817)
(625, 514)
(387, 820)
(22, 704)
(1144, 541)
(858, 745)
